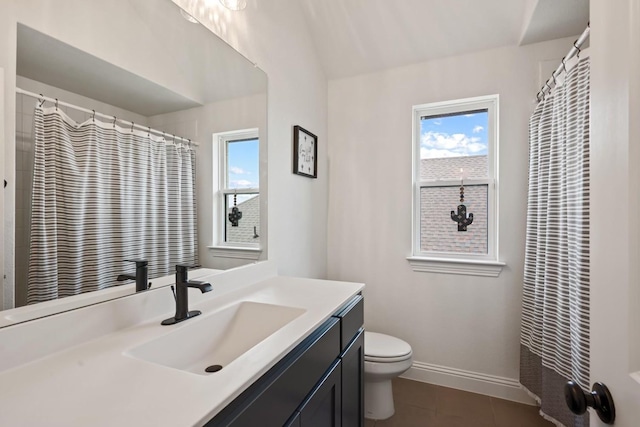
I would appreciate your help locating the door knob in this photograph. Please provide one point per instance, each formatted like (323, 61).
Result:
(599, 399)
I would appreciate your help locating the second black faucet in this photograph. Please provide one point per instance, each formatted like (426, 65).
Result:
(182, 296)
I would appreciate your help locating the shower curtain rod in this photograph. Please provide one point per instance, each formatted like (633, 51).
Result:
(575, 50)
(113, 118)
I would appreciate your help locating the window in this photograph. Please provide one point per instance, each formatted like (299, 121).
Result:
(238, 196)
(455, 151)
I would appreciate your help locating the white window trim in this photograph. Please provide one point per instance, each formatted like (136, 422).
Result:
(458, 263)
(220, 248)
(252, 254)
(456, 266)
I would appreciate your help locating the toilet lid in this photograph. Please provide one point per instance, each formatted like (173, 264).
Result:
(381, 346)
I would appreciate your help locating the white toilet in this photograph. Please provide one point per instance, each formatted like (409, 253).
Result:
(385, 357)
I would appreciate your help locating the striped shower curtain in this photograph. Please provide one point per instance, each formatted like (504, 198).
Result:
(555, 312)
(102, 195)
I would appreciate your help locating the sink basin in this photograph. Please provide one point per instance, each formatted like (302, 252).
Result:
(209, 343)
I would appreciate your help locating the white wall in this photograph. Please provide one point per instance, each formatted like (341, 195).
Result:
(464, 330)
(273, 35)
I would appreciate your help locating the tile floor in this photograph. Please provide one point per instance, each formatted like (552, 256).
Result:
(426, 405)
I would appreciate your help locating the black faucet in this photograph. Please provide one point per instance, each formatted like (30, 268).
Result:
(141, 277)
(182, 297)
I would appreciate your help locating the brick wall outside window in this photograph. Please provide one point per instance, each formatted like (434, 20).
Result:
(438, 232)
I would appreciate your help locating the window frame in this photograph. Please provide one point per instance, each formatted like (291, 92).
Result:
(231, 249)
(457, 262)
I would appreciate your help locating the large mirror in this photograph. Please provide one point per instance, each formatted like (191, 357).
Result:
(139, 64)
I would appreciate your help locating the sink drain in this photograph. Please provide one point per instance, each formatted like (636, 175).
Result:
(213, 368)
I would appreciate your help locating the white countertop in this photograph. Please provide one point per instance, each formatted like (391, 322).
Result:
(94, 383)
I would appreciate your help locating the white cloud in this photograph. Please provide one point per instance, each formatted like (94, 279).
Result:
(434, 153)
(478, 129)
(236, 170)
(437, 122)
(439, 144)
(469, 115)
(476, 147)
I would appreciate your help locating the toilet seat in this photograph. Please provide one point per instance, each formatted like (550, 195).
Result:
(381, 348)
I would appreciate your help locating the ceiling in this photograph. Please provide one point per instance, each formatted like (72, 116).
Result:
(362, 36)
(351, 37)
(45, 59)
(199, 68)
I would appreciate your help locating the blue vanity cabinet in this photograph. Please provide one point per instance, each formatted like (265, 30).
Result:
(307, 387)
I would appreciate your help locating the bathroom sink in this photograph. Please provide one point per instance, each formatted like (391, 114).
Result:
(208, 343)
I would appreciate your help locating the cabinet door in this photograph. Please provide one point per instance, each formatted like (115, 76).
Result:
(353, 383)
(294, 421)
(323, 407)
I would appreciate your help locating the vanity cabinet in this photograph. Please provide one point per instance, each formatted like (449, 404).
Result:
(318, 384)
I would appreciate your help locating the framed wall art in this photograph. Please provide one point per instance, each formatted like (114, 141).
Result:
(305, 152)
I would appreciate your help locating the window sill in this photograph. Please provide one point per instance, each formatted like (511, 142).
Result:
(236, 252)
(456, 266)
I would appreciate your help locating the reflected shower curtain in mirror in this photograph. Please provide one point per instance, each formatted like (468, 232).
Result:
(103, 194)
(555, 309)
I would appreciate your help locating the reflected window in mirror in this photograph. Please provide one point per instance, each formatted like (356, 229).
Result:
(239, 190)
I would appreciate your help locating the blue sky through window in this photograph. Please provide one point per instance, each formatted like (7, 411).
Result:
(462, 134)
(242, 164)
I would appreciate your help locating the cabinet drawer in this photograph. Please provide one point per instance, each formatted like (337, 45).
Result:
(351, 320)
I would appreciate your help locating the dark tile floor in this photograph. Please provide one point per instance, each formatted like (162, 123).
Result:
(425, 405)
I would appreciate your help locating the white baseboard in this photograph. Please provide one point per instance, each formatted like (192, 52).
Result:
(475, 382)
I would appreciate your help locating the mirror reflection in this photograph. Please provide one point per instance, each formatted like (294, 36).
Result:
(134, 153)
